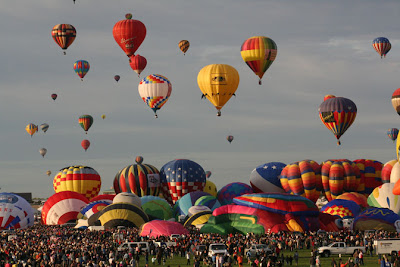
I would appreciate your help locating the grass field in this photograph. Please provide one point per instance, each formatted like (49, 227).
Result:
(304, 257)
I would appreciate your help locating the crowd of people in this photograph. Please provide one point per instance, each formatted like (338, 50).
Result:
(65, 246)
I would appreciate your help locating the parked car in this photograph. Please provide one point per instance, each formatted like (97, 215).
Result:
(339, 248)
(217, 249)
(258, 249)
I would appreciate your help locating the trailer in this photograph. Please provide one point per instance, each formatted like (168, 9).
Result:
(387, 246)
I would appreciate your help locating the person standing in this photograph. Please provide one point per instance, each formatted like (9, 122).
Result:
(188, 257)
(296, 258)
(361, 258)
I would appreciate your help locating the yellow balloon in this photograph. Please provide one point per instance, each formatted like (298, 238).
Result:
(218, 82)
(210, 188)
(397, 148)
(103, 116)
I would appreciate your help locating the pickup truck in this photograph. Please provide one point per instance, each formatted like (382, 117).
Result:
(338, 248)
(257, 249)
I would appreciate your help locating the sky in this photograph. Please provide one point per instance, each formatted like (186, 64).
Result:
(324, 47)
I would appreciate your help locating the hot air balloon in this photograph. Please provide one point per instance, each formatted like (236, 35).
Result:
(44, 127)
(103, 116)
(396, 100)
(265, 178)
(156, 207)
(342, 208)
(86, 122)
(184, 46)
(208, 174)
(227, 193)
(138, 63)
(43, 151)
(81, 179)
(392, 133)
(92, 208)
(302, 178)
(155, 90)
(63, 207)
(259, 52)
(339, 176)
(31, 128)
(328, 97)
(54, 96)
(48, 173)
(387, 171)
(229, 138)
(81, 67)
(85, 144)
(210, 188)
(140, 179)
(157, 228)
(179, 177)
(337, 114)
(129, 34)
(218, 82)
(120, 214)
(64, 35)
(371, 171)
(15, 212)
(116, 78)
(381, 45)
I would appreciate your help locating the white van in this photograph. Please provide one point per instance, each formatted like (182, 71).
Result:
(217, 248)
(143, 246)
(387, 246)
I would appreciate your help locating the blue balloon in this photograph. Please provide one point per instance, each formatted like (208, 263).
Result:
(265, 178)
(179, 177)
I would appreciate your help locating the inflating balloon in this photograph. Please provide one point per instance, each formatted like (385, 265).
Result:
(371, 171)
(179, 177)
(81, 179)
(227, 193)
(15, 212)
(266, 178)
(302, 178)
(63, 207)
(387, 170)
(140, 179)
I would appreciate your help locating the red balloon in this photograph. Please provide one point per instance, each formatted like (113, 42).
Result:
(85, 144)
(138, 63)
(54, 96)
(129, 34)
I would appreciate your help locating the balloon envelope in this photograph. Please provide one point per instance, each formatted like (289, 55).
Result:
(129, 34)
(63, 207)
(265, 178)
(179, 177)
(382, 46)
(184, 46)
(64, 35)
(155, 91)
(218, 82)
(259, 52)
(81, 67)
(81, 179)
(158, 228)
(227, 193)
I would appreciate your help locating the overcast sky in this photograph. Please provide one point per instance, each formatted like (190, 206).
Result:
(324, 47)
